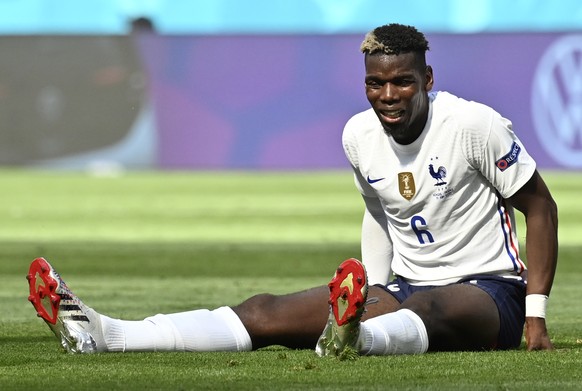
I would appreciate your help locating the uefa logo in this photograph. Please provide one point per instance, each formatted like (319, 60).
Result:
(556, 102)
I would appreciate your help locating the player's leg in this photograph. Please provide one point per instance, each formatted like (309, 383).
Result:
(293, 320)
(480, 313)
(456, 317)
(80, 329)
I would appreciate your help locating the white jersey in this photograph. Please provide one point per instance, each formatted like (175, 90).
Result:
(443, 195)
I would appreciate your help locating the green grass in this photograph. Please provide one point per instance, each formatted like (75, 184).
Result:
(145, 243)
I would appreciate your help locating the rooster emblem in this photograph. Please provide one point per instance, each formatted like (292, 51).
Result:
(439, 175)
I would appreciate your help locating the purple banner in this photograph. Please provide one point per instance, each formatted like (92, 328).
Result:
(280, 102)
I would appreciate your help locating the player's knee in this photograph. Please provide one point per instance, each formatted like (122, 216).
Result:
(256, 312)
(429, 309)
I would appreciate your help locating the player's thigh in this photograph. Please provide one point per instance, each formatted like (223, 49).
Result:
(457, 317)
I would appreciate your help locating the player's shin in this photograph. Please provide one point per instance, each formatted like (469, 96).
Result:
(199, 330)
(400, 332)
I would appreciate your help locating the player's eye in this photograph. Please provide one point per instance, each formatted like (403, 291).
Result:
(372, 84)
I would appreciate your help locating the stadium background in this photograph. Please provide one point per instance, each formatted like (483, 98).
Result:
(261, 84)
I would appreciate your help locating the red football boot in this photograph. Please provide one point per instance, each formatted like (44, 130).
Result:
(77, 326)
(348, 291)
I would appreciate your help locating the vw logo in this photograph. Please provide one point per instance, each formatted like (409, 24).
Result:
(556, 101)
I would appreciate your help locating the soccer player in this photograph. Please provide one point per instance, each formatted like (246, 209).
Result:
(440, 177)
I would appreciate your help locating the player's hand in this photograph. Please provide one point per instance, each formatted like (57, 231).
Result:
(536, 334)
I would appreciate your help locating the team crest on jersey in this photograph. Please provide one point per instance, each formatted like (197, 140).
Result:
(439, 175)
(510, 158)
(406, 185)
(438, 172)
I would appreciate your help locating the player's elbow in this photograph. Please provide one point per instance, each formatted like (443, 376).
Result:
(553, 208)
(549, 207)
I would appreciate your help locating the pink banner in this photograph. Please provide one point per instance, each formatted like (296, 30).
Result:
(280, 102)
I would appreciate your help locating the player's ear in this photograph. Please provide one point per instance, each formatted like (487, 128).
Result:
(429, 80)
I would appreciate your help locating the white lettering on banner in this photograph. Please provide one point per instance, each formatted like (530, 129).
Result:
(556, 101)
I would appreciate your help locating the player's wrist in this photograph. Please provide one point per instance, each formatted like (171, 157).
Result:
(536, 305)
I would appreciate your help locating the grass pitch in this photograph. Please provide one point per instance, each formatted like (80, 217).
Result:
(145, 243)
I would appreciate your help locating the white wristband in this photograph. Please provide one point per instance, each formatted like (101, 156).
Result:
(535, 306)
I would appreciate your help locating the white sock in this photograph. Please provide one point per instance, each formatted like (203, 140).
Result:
(199, 330)
(400, 332)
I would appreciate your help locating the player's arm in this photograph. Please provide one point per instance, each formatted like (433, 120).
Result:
(376, 243)
(541, 215)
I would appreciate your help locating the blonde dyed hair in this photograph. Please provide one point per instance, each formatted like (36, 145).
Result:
(394, 39)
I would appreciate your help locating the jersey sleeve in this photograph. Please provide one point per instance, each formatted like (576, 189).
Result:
(500, 156)
(351, 150)
(376, 245)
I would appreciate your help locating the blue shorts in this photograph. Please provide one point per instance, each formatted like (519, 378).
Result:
(508, 294)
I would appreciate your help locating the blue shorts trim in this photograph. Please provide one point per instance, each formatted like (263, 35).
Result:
(508, 293)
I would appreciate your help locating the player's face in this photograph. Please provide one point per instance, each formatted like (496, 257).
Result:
(397, 87)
